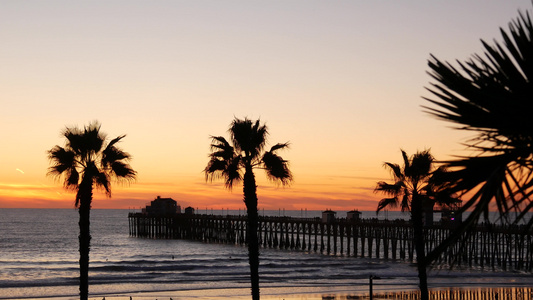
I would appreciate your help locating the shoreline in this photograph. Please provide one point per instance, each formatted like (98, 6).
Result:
(451, 293)
(473, 292)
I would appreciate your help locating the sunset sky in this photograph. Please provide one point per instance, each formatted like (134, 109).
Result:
(342, 81)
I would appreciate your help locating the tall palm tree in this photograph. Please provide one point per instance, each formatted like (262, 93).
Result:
(87, 155)
(415, 189)
(235, 163)
(491, 96)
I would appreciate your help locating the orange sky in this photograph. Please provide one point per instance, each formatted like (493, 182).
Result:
(334, 193)
(342, 82)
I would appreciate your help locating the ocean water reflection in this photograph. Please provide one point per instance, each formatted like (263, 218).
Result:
(39, 257)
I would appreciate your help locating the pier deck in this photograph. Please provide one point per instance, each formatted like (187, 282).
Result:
(505, 247)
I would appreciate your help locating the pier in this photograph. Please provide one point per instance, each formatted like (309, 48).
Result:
(504, 247)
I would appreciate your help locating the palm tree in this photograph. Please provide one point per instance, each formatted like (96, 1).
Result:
(86, 154)
(245, 153)
(491, 96)
(415, 189)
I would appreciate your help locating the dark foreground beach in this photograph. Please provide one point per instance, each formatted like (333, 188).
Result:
(521, 293)
(287, 293)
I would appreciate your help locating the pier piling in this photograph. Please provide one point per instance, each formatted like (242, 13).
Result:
(505, 247)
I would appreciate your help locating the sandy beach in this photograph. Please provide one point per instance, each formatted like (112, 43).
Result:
(337, 293)
(503, 293)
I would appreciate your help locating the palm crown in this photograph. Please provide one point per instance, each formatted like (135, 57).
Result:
(249, 139)
(86, 154)
(416, 179)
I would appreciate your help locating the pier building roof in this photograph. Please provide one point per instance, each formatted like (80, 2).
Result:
(162, 206)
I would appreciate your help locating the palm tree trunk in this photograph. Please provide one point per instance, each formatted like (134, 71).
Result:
(85, 195)
(250, 199)
(418, 229)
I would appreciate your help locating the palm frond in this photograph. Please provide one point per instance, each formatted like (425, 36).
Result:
(122, 171)
(396, 170)
(64, 164)
(115, 141)
(61, 160)
(220, 148)
(492, 97)
(102, 180)
(387, 202)
(405, 204)
(229, 170)
(440, 189)
(277, 168)
(280, 146)
(390, 189)
(72, 179)
(485, 173)
(112, 154)
(232, 173)
(214, 168)
(406, 163)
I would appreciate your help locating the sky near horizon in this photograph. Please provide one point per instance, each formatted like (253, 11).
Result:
(342, 81)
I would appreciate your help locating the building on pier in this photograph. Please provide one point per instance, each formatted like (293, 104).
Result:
(328, 216)
(353, 215)
(162, 206)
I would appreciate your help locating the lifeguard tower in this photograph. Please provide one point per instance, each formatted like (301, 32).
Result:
(353, 216)
(328, 216)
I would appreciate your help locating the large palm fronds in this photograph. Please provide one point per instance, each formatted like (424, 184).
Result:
(492, 96)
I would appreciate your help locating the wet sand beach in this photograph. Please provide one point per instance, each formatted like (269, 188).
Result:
(515, 293)
(338, 293)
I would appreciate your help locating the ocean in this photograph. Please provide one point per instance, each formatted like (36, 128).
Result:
(39, 259)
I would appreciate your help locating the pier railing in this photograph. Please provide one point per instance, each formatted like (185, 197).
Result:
(505, 247)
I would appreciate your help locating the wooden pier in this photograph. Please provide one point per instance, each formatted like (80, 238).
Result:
(504, 247)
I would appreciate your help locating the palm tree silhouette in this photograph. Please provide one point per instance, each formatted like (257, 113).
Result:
(491, 96)
(416, 188)
(230, 162)
(86, 154)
